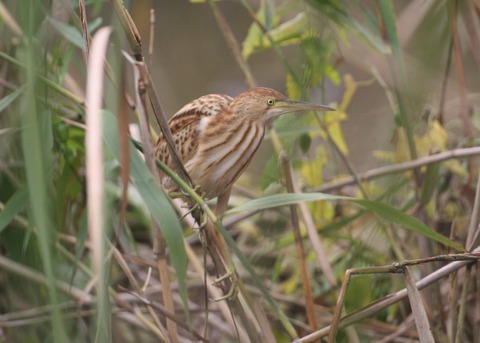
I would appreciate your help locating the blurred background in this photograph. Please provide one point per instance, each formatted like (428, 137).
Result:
(192, 58)
(404, 79)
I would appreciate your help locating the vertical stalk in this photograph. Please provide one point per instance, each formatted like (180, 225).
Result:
(96, 180)
(36, 157)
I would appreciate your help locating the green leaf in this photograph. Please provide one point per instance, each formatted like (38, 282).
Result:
(381, 209)
(290, 32)
(14, 205)
(409, 222)
(282, 200)
(305, 141)
(156, 201)
(71, 33)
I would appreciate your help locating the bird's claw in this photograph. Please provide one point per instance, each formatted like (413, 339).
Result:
(233, 291)
(182, 194)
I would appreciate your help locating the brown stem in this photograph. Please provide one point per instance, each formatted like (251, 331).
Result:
(307, 290)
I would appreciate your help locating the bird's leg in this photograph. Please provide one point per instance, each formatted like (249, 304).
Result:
(229, 274)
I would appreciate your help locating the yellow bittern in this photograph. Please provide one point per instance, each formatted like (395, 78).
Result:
(216, 135)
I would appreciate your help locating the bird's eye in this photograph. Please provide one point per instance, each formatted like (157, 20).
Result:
(271, 102)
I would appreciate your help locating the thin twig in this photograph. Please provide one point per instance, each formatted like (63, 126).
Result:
(84, 25)
(232, 43)
(151, 42)
(401, 167)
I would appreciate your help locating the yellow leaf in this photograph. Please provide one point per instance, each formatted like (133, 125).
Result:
(437, 135)
(456, 167)
(350, 89)
(312, 170)
(293, 89)
(382, 155)
(402, 152)
(337, 135)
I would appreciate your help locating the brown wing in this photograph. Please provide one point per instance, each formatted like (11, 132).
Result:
(184, 126)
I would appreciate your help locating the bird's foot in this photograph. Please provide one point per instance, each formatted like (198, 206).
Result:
(191, 208)
(233, 287)
(182, 194)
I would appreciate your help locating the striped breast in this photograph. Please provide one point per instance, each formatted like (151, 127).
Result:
(186, 130)
(226, 147)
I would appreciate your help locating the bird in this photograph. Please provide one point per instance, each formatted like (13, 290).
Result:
(216, 136)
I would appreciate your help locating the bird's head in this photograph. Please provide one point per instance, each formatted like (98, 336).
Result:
(265, 104)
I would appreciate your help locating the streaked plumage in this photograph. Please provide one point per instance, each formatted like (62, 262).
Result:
(216, 136)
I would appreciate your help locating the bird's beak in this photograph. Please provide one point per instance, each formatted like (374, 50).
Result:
(288, 105)
(285, 105)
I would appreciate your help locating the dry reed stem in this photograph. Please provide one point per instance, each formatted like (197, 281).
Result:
(401, 167)
(315, 239)
(307, 290)
(159, 244)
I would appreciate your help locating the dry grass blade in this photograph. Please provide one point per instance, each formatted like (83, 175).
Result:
(418, 309)
(463, 307)
(95, 174)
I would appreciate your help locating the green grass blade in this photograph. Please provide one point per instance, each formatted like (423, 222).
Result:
(282, 200)
(14, 205)
(7, 100)
(381, 209)
(36, 160)
(407, 221)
